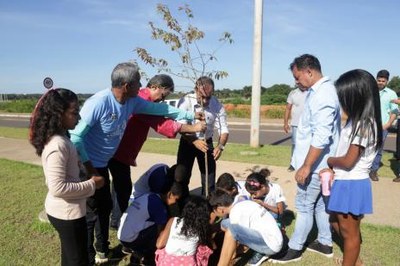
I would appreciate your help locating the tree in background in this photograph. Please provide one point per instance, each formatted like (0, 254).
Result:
(394, 84)
(184, 42)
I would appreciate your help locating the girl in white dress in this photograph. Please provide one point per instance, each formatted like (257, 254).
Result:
(186, 239)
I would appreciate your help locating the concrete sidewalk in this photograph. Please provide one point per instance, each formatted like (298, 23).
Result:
(385, 192)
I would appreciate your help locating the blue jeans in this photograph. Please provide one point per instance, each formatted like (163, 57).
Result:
(378, 157)
(294, 133)
(309, 202)
(248, 237)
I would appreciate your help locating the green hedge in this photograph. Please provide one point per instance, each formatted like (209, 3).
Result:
(18, 106)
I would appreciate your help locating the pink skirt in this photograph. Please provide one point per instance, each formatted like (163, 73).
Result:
(199, 259)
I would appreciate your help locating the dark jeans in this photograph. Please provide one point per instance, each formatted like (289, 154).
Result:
(377, 161)
(98, 217)
(73, 238)
(145, 243)
(122, 182)
(187, 152)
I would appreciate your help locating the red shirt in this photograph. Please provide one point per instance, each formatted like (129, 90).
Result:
(137, 129)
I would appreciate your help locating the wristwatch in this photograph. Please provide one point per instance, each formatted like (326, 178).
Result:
(221, 147)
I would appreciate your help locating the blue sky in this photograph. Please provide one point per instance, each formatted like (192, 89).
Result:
(78, 42)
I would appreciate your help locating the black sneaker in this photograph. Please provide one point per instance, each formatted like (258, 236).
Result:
(290, 256)
(100, 258)
(374, 175)
(324, 250)
(257, 259)
(290, 169)
(114, 226)
(126, 250)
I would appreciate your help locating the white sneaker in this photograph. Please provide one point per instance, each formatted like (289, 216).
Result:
(257, 259)
(100, 258)
(43, 217)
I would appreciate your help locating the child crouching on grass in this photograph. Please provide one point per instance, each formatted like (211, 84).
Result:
(248, 224)
(144, 219)
(236, 189)
(186, 239)
(268, 195)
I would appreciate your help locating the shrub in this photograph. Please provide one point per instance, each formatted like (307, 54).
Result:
(274, 113)
(18, 106)
(238, 100)
(239, 113)
(244, 111)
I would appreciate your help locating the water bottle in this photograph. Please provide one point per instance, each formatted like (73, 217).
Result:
(326, 178)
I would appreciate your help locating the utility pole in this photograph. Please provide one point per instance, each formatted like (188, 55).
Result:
(256, 86)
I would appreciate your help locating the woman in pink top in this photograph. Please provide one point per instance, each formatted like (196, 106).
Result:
(56, 112)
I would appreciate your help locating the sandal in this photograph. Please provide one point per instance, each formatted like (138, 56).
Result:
(339, 261)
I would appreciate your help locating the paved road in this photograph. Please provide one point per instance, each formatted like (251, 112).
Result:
(271, 132)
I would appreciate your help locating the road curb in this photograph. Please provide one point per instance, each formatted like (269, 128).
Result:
(230, 121)
(15, 115)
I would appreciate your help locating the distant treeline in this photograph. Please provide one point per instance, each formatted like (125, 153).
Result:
(35, 96)
(237, 102)
(274, 95)
(273, 100)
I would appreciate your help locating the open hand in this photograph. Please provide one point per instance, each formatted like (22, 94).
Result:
(201, 145)
(302, 174)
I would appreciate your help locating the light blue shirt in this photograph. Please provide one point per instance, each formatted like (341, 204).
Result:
(103, 121)
(387, 108)
(319, 125)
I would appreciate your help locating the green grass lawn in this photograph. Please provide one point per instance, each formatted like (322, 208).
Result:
(26, 241)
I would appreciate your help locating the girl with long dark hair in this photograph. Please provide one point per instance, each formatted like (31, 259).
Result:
(360, 139)
(56, 112)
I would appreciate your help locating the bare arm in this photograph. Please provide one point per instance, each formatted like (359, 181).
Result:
(347, 161)
(396, 101)
(163, 236)
(305, 170)
(390, 122)
(288, 110)
(198, 127)
(278, 209)
(223, 139)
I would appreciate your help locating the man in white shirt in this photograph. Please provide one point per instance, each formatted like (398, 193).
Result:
(195, 146)
(294, 108)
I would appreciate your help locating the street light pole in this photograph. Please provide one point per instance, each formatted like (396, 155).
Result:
(256, 86)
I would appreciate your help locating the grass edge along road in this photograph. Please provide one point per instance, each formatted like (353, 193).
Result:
(276, 155)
